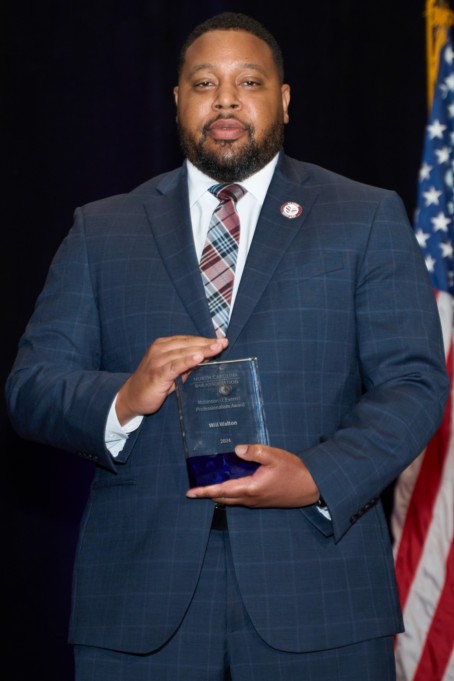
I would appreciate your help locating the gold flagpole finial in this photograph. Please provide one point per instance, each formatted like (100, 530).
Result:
(439, 18)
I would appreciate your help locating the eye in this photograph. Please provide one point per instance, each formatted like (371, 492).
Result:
(250, 83)
(205, 83)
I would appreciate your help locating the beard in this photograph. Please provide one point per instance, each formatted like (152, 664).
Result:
(227, 164)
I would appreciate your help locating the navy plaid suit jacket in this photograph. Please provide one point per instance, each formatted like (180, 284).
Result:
(338, 307)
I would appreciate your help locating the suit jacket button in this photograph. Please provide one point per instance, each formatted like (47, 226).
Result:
(373, 501)
(95, 458)
(367, 507)
(353, 519)
(360, 513)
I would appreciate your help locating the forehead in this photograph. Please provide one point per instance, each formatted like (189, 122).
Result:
(223, 49)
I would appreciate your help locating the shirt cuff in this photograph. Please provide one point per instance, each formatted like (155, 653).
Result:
(116, 435)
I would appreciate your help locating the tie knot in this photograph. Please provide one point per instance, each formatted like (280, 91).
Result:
(224, 192)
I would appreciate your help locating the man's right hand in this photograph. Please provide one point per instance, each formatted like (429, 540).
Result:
(145, 391)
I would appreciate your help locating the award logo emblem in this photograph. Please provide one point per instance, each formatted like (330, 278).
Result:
(291, 209)
(220, 406)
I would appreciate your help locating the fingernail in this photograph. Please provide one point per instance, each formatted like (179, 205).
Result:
(198, 357)
(191, 495)
(241, 449)
(215, 346)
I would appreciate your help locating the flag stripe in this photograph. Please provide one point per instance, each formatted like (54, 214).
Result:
(440, 640)
(449, 672)
(445, 311)
(423, 517)
(428, 583)
(418, 485)
(419, 515)
(408, 478)
(402, 498)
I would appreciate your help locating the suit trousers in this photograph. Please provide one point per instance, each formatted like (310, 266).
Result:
(216, 641)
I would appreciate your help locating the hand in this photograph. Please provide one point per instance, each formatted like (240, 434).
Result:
(145, 391)
(282, 481)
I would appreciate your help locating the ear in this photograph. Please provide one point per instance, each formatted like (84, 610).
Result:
(285, 93)
(175, 94)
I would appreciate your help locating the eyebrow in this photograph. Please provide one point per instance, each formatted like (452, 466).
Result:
(244, 65)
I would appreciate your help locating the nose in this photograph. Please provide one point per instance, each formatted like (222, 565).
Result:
(226, 98)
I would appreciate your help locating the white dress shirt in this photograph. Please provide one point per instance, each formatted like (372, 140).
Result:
(202, 204)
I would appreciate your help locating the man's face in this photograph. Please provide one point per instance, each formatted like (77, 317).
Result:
(231, 106)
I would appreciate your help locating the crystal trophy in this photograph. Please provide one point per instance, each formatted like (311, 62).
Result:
(220, 406)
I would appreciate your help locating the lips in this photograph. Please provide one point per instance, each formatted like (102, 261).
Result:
(228, 129)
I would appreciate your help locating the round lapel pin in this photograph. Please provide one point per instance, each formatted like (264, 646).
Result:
(291, 210)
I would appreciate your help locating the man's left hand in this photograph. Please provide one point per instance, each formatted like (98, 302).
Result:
(282, 481)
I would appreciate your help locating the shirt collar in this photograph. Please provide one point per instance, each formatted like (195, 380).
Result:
(257, 185)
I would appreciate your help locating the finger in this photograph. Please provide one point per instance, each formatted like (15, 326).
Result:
(183, 364)
(258, 453)
(181, 340)
(231, 489)
(171, 370)
(237, 500)
(205, 351)
(175, 342)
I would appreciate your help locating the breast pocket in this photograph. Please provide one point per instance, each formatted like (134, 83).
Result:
(316, 268)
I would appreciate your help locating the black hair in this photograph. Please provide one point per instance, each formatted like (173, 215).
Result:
(233, 21)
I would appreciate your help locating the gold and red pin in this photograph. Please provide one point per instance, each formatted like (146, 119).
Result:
(291, 210)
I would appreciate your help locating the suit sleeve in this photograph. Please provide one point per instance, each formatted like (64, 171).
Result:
(402, 363)
(56, 392)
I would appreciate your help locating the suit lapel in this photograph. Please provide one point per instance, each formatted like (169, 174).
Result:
(273, 235)
(170, 221)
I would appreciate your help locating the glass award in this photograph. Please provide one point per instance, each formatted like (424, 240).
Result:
(220, 406)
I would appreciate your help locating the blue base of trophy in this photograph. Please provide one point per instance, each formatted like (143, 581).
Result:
(211, 470)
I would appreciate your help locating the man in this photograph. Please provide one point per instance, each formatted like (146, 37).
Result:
(328, 289)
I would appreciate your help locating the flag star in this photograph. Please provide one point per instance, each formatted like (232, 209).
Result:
(432, 197)
(447, 250)
(451, 136)
(441, 222)
(430, 262)
(450, 279)
(422, 238)
(449, 55)
(451, 110)
(451, 208)
(436, 130)
(449, 178)
(424, 173)
(450, 82)
(444, 90)
(442, 155)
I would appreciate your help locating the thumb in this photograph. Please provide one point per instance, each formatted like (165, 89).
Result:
(259, 453)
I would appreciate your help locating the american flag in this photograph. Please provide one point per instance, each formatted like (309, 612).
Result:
(423, 515)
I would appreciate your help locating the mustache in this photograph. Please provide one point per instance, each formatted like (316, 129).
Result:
(226, 117)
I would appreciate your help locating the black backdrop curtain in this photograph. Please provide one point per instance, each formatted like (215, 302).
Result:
(87, 111)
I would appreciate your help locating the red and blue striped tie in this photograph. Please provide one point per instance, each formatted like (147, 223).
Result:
(220, 253)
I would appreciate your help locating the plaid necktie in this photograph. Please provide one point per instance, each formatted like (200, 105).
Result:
(220, 253)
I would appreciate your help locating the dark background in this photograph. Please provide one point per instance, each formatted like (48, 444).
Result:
(87, 111)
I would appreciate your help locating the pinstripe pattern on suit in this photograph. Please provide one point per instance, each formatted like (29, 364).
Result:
(334, 303)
